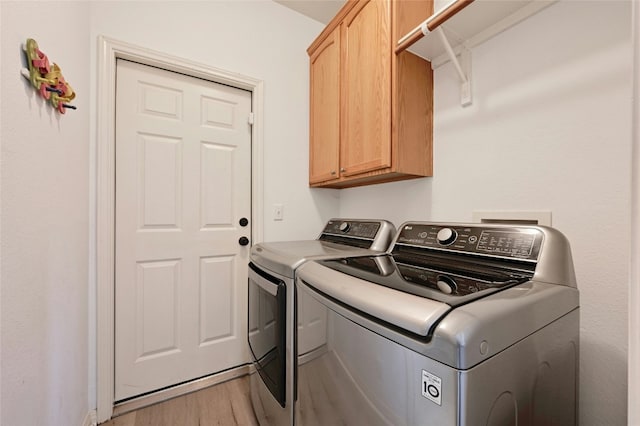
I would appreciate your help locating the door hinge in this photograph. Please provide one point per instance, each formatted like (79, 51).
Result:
(251, 118)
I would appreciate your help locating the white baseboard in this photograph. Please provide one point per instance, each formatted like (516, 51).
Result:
(91, 419)
(185, 388)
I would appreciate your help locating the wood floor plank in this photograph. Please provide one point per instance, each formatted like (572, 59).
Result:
(241, 402)
(225, 404)
(128, 419)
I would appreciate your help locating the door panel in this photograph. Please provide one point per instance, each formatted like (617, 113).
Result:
(160, 176)
(156, 307)
(366, 70)
(183, 167)
(217, 185)
(216, 301)
(324, 144)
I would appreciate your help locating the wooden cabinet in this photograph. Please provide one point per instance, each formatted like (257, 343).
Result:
(324, 146)
(370, 111)
(366, 89)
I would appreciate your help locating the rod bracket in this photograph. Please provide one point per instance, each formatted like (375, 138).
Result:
(462, 66)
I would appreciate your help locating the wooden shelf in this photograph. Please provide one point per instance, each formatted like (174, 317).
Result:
(466, 23)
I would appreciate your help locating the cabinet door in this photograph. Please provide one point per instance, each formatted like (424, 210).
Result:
(366, 88)
(324, 120)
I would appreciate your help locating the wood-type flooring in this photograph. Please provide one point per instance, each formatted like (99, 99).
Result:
(225, 404)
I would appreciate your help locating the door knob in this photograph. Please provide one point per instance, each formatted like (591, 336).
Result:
(244, 221)
(243, 241)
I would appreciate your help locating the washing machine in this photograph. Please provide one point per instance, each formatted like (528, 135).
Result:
(458, 324)
(273, 320)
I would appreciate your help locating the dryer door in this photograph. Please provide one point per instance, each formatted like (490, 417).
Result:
(267, 329)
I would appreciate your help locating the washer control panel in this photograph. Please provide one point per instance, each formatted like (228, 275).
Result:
(500, 241)
(352, 228)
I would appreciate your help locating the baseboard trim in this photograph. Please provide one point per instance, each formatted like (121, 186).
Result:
(179, 390)
(91, 419)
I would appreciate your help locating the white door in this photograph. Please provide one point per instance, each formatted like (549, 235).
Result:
(183, 184)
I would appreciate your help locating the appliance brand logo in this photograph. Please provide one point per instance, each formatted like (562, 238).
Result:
(432, 387)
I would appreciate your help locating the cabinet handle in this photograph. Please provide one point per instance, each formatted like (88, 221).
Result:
(342, 169)
(333, 172)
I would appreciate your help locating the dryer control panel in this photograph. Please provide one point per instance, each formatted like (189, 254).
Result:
(370, 234)
(352, 228)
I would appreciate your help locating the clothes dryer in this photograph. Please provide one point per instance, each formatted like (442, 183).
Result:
(273, 320)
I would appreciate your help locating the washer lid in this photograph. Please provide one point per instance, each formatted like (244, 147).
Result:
(450, 279)
(415, 314)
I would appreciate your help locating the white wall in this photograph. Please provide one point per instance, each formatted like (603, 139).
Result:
(260, 39)
(44, 209)
(549, 129)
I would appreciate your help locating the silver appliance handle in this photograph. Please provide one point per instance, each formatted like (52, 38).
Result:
(265, 284)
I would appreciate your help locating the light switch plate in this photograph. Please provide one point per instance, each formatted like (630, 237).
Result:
(278, 212)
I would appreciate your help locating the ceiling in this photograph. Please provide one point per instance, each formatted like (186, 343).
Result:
(320, 10)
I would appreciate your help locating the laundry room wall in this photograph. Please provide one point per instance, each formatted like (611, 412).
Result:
(44, 208)
(259, 39)
(549, 129)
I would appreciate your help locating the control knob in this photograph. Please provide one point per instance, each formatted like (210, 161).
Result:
(446, 284)
(344, 226)
(446, 236)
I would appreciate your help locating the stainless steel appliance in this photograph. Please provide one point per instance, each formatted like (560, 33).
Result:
(272, 300)
(460, 324)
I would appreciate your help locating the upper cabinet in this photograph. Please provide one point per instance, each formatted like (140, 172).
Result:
(371, 109)
(325, 117)
(365, 137)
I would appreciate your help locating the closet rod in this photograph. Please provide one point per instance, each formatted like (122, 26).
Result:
(433, 22)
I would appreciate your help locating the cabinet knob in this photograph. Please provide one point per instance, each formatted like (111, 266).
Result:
(333, 172)
(342, 169)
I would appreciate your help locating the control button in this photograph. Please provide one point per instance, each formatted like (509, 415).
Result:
(446, 236)
(344, 226)
(473, 239)
(484, 347)
(446, 284)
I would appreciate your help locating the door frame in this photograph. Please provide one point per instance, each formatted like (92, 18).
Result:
(633, 393)
(109, 50)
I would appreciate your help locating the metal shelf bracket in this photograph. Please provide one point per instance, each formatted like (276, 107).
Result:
(462, 66)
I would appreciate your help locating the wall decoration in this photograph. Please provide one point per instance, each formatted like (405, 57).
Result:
(47, 78)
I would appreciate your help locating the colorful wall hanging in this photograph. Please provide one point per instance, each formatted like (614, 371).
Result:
(47, 79)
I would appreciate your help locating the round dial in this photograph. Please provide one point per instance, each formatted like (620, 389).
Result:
(344, 226)
(446, 284)
(446, 236)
